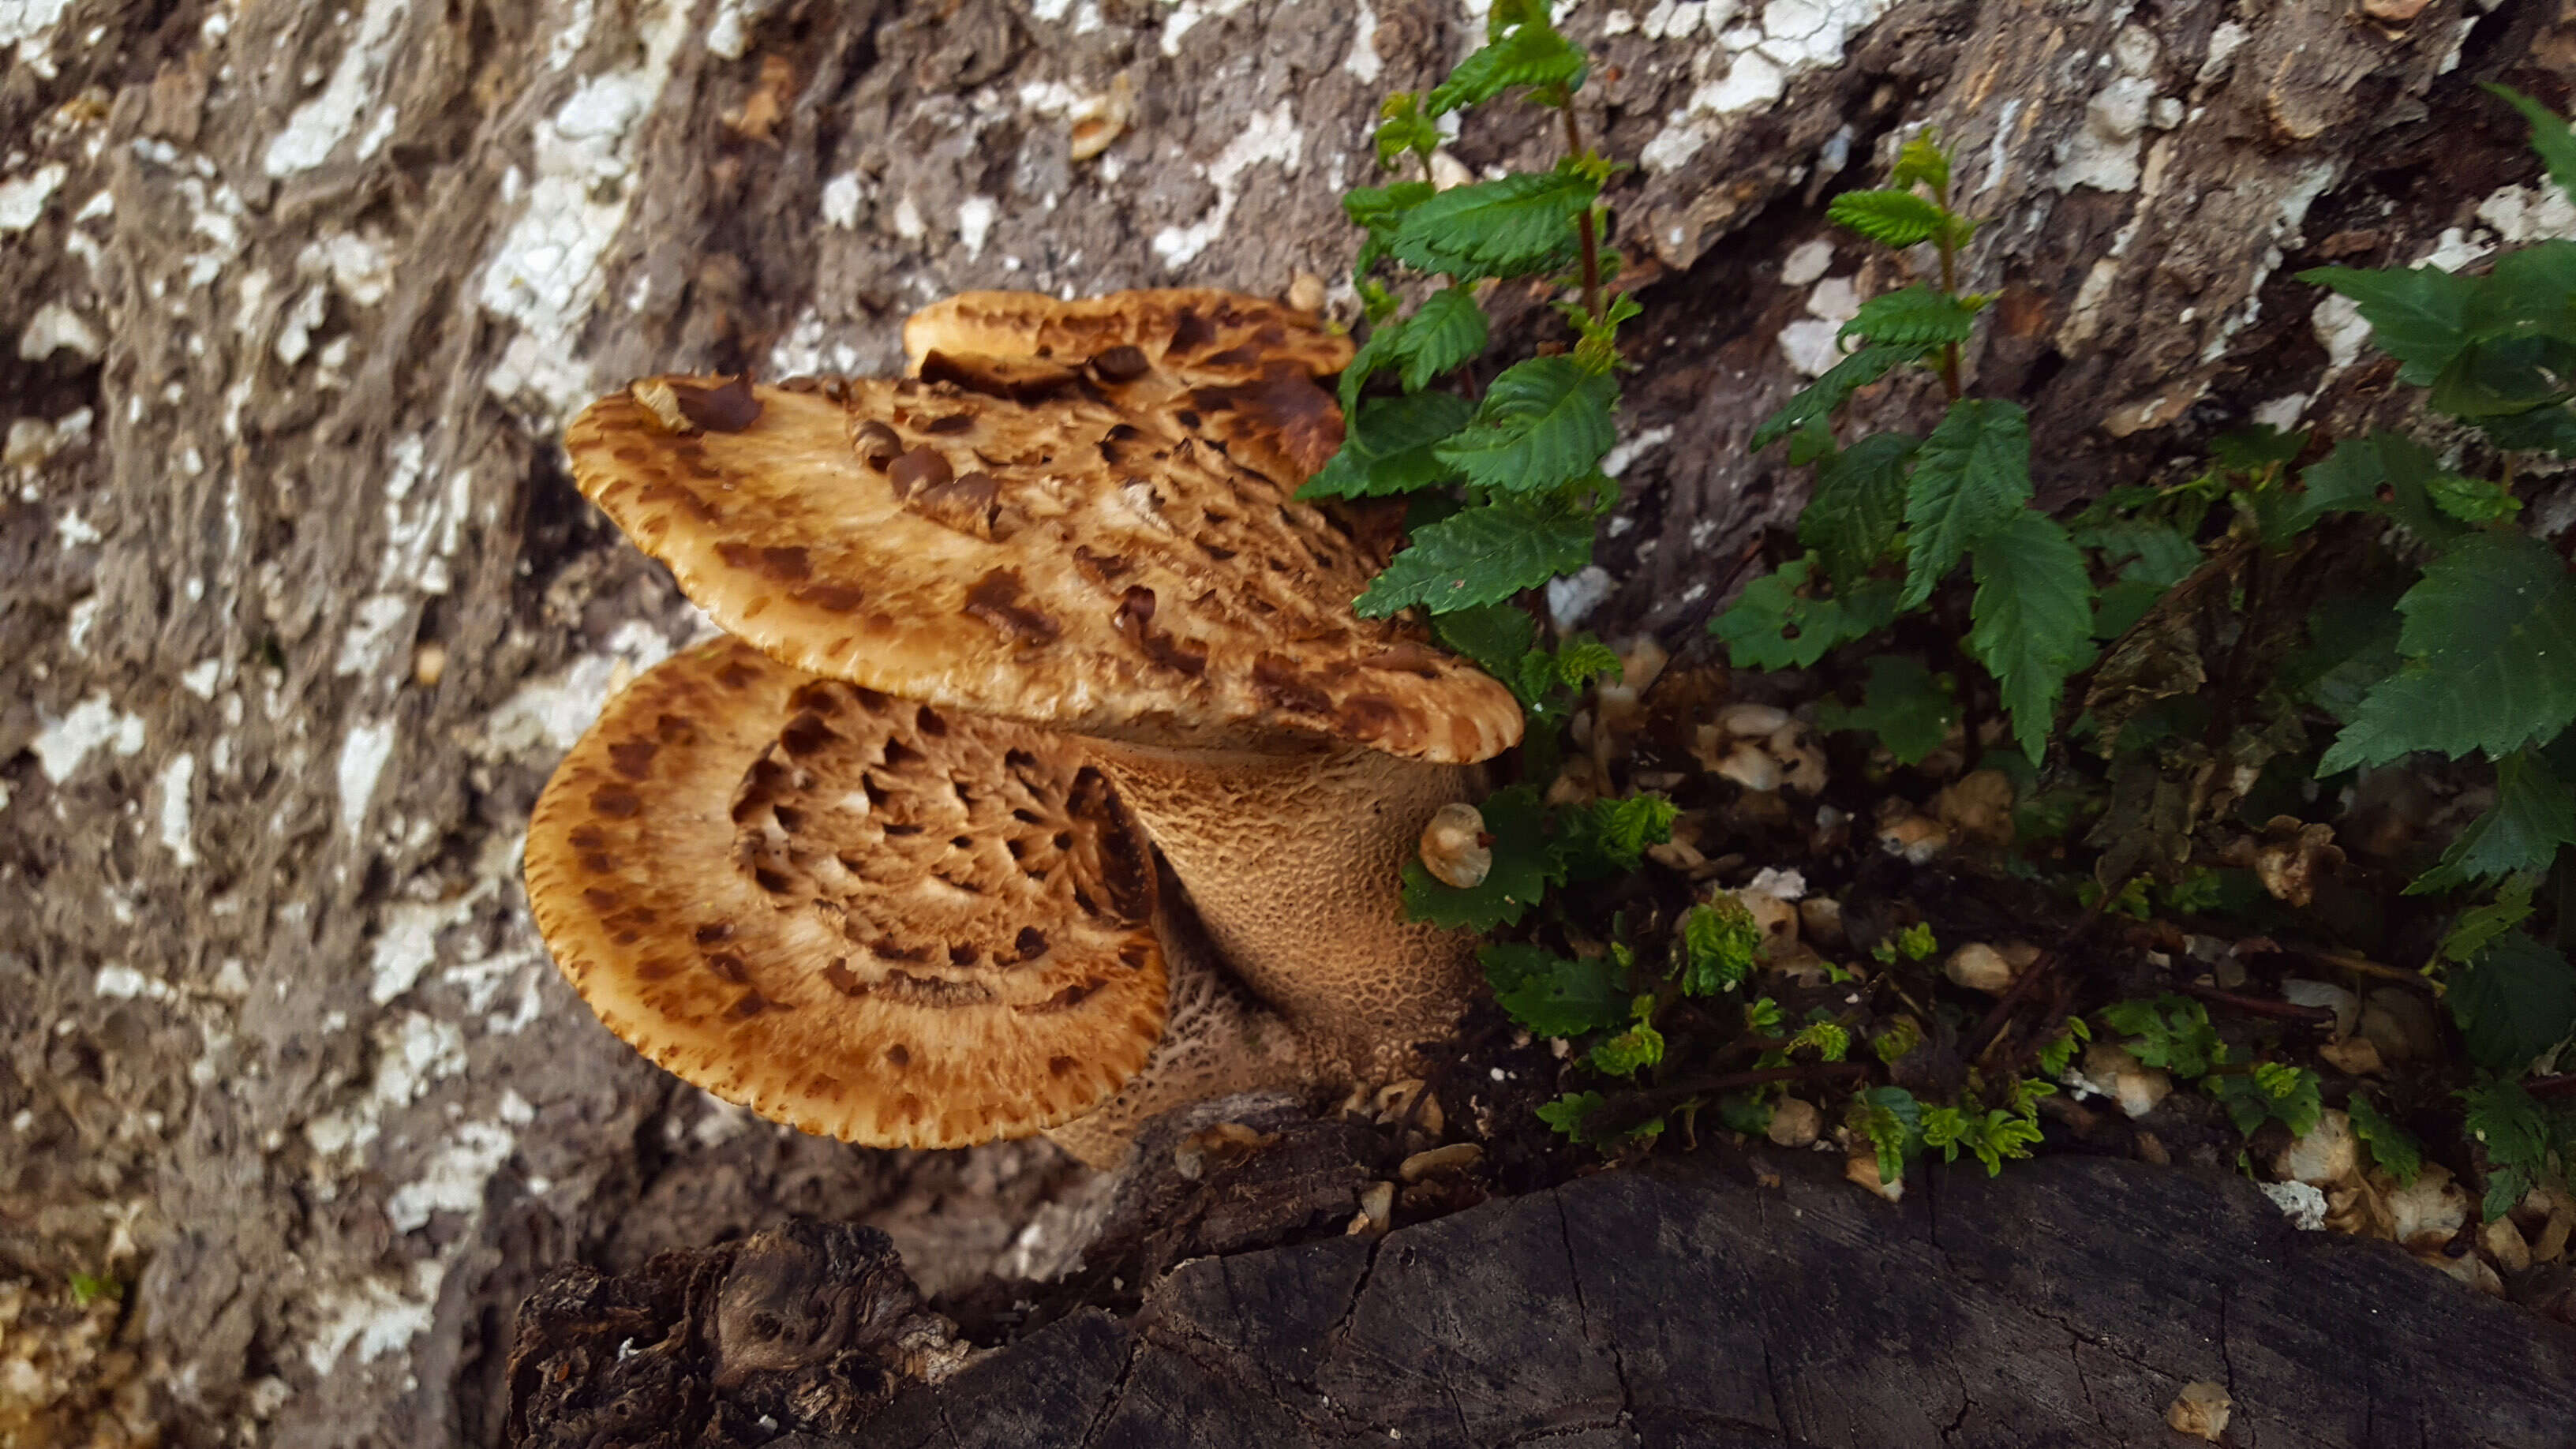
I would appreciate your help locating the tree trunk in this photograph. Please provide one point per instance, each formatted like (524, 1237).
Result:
(297, 608)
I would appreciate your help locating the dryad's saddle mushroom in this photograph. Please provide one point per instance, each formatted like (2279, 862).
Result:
(885, 873)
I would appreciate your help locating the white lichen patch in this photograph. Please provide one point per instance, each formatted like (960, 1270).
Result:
(1270, 135)
(975, 217)
(23, 198)
(363, 754)
(1813, 343)
(1750, 67)
(57, 328)
(2525, 214)
(2103, 152)
(546, 276)
(199, 678)
(1363, 64)
(549, 714)
(372, 635)
(414, 1052)
(1186, 16)
(379, 1316)
(454, 1178)
(1571, 600)
(1629, 450)
(176, 835)
(124, 983)
(63, 744)
(320, 124)
(406, 942)
(841, 198)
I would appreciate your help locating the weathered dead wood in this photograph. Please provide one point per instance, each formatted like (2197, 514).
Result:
(2065, 1304)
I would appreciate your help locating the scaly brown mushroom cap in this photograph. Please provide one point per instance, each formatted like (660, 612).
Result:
(1237, 371)
(1072, 562)
(861, 916)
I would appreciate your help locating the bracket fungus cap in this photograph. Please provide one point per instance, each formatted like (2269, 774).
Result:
(853, 914)
(1080, 562)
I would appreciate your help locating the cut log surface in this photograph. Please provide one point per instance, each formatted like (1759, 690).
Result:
(2065, 1303)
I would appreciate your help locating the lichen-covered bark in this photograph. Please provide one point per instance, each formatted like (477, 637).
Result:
(296, 609)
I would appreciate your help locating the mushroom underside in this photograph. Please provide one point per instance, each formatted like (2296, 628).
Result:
(854, 914)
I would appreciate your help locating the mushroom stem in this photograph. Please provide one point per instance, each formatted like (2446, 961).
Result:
(1217, 1042)
(1293, 863)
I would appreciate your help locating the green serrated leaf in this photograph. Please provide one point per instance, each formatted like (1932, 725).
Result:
(1554, 995)
(1448, 331)
(1381, 208)
(1909, 709)
(2272, 1091)
(2534, 814)
(2549, 430)
(1971, 478)
(2253, 449)
(1404, 132)
(1773, 625)
(1818, 399)
(2392, 1148)
(2474, 499)
(2515, 1131)
(2171, 1033)
(2034, 620)
(1545, 422)
(1482, 555)
(1384, 348)
(1923, 162)
(2476, 928)
(1916, 316)
(1388, 448)
(2549, 135)
(2418, 315)
(1526, 55)
(1851, 520)
(2490, 648)
(1567, 1115)
(1719, 943)
(1629, 1052)
(1521, 224)
(1892, 1120)
(1496, 636)
(1583, 659)
(1610, 835)
(2500, 377)
(2516, 1000)
(1890, 218)
(2352, 646)
(2346, 480)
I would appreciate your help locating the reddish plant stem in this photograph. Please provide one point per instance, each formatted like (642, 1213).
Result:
(1591, 239)
(2257, 1006)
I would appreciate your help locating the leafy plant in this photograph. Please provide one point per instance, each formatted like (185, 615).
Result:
(2526, 1144)
(2485, 659)
(1507, 486)
(1892, 515)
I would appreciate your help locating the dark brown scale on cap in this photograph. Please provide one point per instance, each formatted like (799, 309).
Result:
(1121, 364)
(922, 467)
(728, 407)
(876, 444)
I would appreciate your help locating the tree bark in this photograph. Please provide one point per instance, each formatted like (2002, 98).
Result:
(297, 607)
